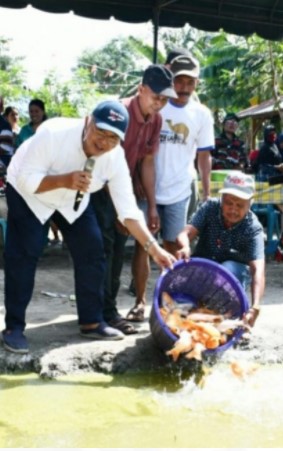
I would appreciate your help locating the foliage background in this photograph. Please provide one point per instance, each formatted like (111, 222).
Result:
(235, 71)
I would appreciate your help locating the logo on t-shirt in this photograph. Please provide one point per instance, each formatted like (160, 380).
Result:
(178, 133)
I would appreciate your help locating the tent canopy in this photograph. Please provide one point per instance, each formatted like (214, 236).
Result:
(241, 17)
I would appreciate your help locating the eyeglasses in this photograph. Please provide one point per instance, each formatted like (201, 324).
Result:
(112, 140)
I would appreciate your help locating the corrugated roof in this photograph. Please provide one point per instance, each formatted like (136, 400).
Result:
(263, 110)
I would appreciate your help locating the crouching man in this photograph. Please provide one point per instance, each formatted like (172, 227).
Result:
(229, 233)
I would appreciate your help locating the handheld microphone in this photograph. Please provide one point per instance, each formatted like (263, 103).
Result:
(80, 194)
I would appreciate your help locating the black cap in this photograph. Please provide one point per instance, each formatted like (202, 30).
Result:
(160, 80)
(185, 65)
(231, 117)
(178, 51)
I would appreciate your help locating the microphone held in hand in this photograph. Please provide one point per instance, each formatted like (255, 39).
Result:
(80, 194)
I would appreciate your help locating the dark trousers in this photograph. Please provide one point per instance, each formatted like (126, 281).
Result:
(25, 239)
(114, 246)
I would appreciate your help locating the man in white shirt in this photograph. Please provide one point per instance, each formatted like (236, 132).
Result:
(187, 132)
(51, 177)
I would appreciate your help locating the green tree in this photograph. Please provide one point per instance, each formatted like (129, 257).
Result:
(114, 67)
(12, 73)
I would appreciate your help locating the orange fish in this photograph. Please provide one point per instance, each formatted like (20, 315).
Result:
(196, 352)
(205, 317)
(229, 325)
(243, 369)
(174, 322)
(198, 330)
(168, 302)
(184, 344)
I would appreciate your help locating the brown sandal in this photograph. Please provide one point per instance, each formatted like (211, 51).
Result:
(136, 315)
(122, 325)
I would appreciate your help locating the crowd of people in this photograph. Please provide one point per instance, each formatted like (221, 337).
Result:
(128, 168)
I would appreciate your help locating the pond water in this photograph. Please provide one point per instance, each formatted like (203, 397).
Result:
(152, 410)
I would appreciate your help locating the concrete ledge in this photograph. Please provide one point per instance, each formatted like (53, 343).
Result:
(56, 347)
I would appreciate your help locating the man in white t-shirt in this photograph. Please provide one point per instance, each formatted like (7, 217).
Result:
(51, 176)
(187, 133)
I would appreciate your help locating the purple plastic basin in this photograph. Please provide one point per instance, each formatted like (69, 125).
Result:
(198, 280)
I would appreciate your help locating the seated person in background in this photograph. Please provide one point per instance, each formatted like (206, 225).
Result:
(230, 233)
(11, 115)
(6, 140)
(37, 116)
(229, 152)
(270, 160)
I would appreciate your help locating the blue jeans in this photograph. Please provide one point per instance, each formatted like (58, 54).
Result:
(240, 271)
(24, 243)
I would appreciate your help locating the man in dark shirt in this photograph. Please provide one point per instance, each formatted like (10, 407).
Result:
(140, 145)
(229, 152)
(230, 233)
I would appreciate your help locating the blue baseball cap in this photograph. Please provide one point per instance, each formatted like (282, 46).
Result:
(113, 116)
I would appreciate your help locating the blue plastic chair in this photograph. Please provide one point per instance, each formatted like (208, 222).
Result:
(272, 225)
(3, 225)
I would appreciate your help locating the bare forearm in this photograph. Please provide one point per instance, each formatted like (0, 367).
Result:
(148, 180)
(204, 168)
(138, 230)
(257, 286)
(77, 180)
(188, 234)
(51, 182)
(142, 234)
(257, 268)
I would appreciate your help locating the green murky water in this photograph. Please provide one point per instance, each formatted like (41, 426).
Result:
(143, 411)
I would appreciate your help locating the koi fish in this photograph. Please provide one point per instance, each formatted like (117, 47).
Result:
(198, 328)
(174, 322)
(168, 302)
(229, 325)
(243, 369)
(205, 317)
(196, 352)
(184, 344)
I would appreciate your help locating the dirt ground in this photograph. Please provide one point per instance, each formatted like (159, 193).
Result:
(56, 347)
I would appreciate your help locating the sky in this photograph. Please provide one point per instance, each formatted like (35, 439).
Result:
(49, 41)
